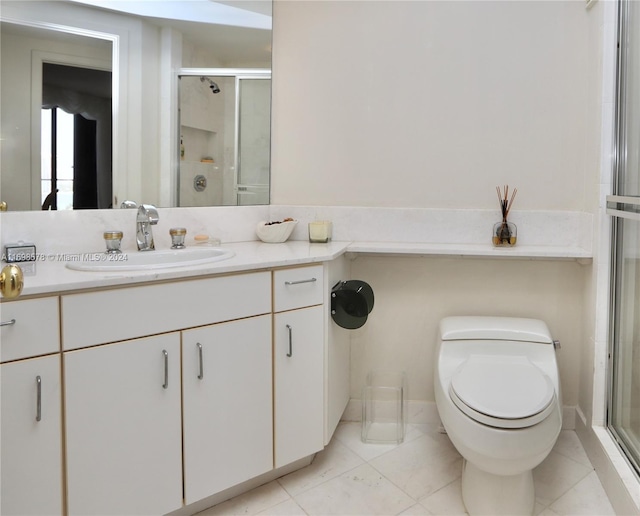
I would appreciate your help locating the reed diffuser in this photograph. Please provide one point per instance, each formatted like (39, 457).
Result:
(505, 233)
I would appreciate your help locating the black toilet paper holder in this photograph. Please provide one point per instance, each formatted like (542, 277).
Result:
(351, 303)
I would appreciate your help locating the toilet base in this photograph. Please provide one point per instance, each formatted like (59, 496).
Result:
(485, 493)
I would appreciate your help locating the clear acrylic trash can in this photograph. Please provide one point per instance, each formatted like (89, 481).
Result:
(384, 407)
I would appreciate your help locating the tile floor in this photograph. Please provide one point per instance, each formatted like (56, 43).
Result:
(419, 477)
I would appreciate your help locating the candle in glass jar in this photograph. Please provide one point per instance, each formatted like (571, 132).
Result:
(320, 231)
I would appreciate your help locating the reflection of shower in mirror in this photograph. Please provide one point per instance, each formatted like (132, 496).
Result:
(214, 87)
(226, 137)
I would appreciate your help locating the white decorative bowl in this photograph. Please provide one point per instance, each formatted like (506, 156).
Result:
(275, 233)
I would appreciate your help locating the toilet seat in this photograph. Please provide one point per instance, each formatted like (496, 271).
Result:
(502, 391)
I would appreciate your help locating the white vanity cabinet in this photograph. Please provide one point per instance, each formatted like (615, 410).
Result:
(298, 363)
(171, 392)
(123, 427)
(122, 352)
(227, 405)
(30, 405)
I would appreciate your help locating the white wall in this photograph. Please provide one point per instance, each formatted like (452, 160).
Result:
(429, 104)
(413, 294)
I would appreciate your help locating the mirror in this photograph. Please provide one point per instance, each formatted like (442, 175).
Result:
(144, 54)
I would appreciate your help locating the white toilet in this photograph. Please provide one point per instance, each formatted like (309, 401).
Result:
(498, 394)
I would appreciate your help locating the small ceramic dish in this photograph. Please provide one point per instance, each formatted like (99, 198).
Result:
(275, 232)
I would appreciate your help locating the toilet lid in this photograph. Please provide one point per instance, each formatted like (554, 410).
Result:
(502, 391)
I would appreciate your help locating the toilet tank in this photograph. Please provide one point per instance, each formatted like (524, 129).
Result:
(494, 328)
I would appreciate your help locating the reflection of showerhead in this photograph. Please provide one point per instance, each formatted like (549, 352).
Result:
(214, 87)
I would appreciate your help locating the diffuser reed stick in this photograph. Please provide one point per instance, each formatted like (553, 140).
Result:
(504, 233)
(505, 202)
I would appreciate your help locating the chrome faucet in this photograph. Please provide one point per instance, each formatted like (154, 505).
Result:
(147, 217)
(128, 204)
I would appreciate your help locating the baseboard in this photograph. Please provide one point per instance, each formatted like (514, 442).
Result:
(569, 418)
(418, 412)
(426, 412)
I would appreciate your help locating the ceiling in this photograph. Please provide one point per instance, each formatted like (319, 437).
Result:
(239, 31)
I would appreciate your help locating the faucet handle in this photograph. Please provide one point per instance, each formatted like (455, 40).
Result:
(148, 213)
(112, 239)
(128, 204)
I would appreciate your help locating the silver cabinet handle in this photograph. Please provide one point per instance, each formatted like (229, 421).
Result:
(8, 323)
(201, 373)
(310, 280)
(290, 330)
(166, 369)
(39, 398)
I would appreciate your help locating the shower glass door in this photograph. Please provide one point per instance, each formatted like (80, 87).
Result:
(254, 139)
(624, 413)
(624, 401)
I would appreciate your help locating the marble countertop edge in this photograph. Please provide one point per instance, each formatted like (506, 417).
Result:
(471, 250)
(53, 277)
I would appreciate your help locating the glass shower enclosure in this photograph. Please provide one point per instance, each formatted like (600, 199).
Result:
(225, 137)
(623, 414)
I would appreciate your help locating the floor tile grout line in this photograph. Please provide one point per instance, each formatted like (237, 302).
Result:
(341, 475)
(347, 443)
(569, 489)
(395, 447)
(294, 497)
(392, 482)
(301, 508)
(418, 501)
(575, 483)
(568, 456)
(369, 462)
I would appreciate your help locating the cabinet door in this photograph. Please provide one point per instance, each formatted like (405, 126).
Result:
(227, 381)
(299, 384)
(123, 427)
(31, 443)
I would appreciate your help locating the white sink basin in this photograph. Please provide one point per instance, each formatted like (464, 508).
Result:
(148, 260)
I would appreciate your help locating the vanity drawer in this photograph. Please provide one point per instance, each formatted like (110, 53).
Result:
(35, 330)
(299, 287)
(120, 314)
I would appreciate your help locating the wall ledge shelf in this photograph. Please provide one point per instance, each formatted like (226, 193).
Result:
(522, 252)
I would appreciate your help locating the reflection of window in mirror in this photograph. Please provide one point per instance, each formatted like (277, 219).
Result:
(57, 159)
(76, 138)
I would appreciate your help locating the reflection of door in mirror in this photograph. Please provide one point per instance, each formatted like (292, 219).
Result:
(76, 138)
(224, 137)
(26, 50)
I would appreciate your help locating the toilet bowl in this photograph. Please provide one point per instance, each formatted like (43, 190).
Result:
(498, 395)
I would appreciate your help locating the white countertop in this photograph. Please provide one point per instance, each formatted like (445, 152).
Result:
(51, 276)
